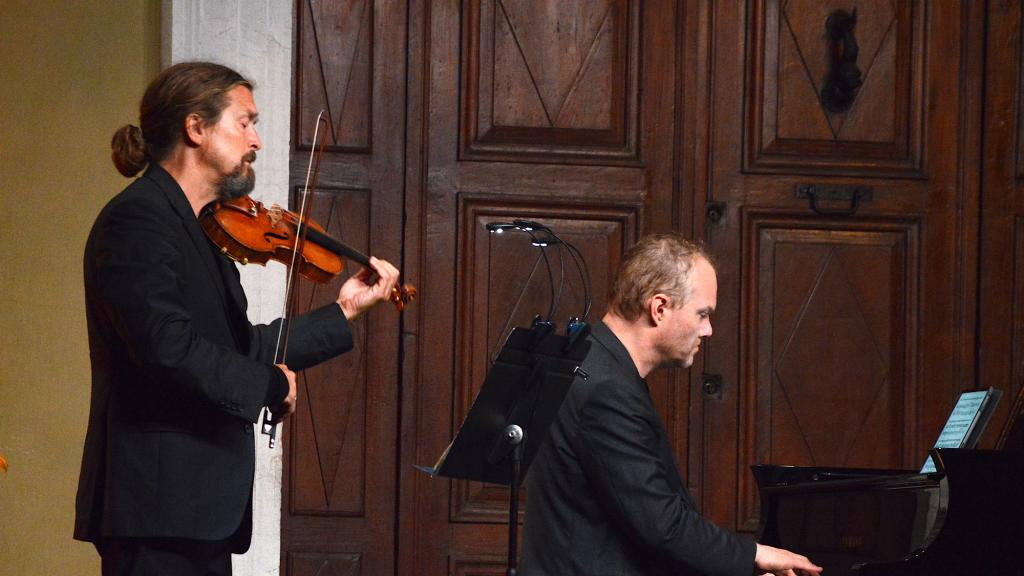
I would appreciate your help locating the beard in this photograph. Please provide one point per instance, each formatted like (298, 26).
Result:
(240, 181)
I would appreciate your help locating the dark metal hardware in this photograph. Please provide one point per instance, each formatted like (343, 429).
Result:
(711, 386)
(844, 78)
(835, 193)
(714, 213)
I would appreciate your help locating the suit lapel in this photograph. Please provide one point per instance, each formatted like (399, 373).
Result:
(229, 288)
(232, 280)
(611, 342)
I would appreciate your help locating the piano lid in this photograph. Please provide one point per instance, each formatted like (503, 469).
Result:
(967, 518)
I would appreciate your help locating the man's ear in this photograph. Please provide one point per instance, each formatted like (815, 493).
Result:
(656, 308)
(195, 131)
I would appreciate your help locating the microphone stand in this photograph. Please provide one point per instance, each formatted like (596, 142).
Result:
(515, 440)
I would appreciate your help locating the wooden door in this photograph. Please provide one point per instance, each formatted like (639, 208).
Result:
(560, 112)
(845, 327)
(843, 333)
(339, 509)
(1001, 305)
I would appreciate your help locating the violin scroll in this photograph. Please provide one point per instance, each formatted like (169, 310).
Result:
(402, 295)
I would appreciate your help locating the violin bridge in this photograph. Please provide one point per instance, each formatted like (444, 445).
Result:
(275, 215)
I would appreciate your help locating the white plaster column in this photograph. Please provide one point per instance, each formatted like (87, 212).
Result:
(255, 38)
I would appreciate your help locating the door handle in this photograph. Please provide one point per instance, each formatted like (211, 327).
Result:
(854, 195)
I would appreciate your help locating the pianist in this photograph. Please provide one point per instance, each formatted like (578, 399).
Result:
(605, 493)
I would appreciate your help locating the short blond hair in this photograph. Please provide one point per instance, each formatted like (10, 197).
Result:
(657, 264)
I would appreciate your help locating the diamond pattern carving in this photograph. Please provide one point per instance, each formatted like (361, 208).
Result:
(846, 371)
(802, 47)
(552, 42)
(548, 78)
(330, 424)
(336, 69)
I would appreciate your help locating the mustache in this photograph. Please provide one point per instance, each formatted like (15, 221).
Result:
(250, 157)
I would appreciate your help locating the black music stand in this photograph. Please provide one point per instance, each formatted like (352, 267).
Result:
(510, 417)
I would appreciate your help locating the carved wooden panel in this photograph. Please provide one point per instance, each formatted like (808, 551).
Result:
(547, 80)
(328, 436)
(904, 257)
(672, 104)
(335, 40)
(830, 308)
(564, 112)
(340, 485)
(789, 128)
(503, 283)
(324, 564)
(1001, 301)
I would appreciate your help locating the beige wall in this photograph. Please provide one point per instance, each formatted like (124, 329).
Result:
(70, 73)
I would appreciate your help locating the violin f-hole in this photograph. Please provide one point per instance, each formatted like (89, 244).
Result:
(279, 236)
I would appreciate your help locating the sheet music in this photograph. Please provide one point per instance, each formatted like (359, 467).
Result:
(959, 425)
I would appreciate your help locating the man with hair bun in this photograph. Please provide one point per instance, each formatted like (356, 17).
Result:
(179, 375)
(605, 492)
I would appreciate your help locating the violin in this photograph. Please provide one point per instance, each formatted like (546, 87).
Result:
(246, 231)
(249, 232)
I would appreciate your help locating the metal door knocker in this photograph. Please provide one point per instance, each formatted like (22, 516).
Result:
(844, 78)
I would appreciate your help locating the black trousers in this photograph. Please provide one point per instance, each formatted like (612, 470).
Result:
(165, 557)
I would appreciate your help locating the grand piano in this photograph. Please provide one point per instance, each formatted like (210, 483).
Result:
(966, 518)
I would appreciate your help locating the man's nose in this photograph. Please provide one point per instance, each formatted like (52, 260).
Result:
(255, 143)
(707, 330)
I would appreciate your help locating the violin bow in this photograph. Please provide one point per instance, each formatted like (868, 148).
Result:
(269, 426)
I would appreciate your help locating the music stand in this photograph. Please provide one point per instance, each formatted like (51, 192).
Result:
(509, 419)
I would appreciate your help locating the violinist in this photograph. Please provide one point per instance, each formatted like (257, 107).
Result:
(179, 375)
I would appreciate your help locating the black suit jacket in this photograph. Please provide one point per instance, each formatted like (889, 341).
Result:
(179, 375)
(604, 492)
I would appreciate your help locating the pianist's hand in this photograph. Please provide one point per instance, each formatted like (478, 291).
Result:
(781, 562)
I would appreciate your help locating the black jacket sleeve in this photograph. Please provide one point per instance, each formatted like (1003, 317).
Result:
(618, 440)
(315, 337)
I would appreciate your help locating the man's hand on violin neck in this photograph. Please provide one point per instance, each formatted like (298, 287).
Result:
(367, 288)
